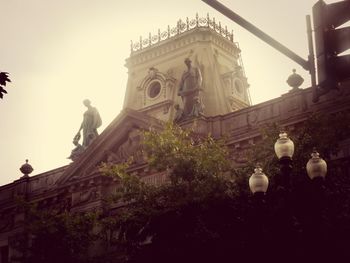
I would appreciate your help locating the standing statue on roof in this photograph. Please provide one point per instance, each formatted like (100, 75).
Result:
(91, 122)
(189, 88)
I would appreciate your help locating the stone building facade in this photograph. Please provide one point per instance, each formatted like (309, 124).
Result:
(155, 67)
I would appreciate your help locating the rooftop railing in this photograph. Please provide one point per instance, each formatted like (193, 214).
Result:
(180, 28)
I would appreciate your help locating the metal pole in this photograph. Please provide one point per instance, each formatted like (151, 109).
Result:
(311, 59)
(257, 32)
(285, 172)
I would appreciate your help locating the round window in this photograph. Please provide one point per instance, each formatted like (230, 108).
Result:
(154, 89)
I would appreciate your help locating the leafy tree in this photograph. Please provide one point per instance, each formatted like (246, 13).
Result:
(204, 212)
(197, 215)
(3, 80)
(54, 236)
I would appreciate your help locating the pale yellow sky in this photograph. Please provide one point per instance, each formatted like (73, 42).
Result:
(61, 52)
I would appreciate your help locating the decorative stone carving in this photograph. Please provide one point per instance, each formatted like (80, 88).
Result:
(111, 157)
(89, 195)
(86, 196)
(252, 118)
(178, 114)
(198, 107)
(131, 148)
(152, 72)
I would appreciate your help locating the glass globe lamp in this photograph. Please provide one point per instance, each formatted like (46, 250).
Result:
(258, 181)
(316, 166)
(284, 146)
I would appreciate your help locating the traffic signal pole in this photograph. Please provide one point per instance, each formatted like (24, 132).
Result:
(311, 58)
(258, 33)
(306, 64)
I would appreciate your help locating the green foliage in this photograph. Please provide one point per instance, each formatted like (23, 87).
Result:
(189, 157)
(197, 206)
(54, 236)
(3, 80)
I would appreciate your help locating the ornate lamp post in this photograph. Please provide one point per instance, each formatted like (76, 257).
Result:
(258, 184)
(316, 169)
(284, 149)
(315, 230)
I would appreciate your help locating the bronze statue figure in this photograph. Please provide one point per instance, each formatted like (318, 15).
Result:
(189, 90)
(91, 121)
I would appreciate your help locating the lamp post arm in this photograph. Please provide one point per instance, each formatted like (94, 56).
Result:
(257, 32)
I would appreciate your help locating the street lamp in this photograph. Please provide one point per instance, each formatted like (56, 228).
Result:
(316, 167)
(284, 147)
(284, 201)
(258, 182)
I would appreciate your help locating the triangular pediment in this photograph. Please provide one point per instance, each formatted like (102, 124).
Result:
(119, 141)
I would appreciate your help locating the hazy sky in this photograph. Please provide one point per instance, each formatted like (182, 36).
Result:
(59, 52)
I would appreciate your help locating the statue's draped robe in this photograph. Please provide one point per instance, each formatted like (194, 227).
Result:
(91, 122)
(189, 88)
